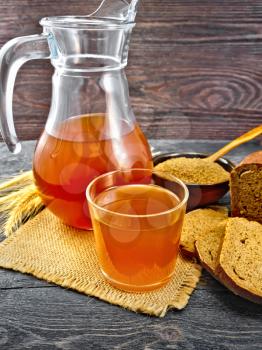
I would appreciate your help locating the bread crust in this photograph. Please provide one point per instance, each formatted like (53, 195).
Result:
(219, 273)
(255, 157)
(227, 281)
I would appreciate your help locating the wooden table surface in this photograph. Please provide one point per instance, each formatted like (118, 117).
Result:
(194, 65)
(39, 315)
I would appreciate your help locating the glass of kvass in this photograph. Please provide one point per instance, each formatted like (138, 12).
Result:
(137, 226)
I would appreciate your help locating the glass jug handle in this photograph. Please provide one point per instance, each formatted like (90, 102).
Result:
(12, 56)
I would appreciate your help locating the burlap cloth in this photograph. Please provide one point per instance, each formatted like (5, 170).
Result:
(52, 251)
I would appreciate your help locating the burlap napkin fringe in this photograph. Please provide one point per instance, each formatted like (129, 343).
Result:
(180, 299)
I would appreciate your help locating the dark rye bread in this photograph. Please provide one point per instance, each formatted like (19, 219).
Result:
(208, 247)
(240, 261)
(200, 222)
(246, 188)
(233, 255)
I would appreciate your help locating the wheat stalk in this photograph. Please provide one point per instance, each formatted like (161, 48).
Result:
(19, 202)
(18, 181)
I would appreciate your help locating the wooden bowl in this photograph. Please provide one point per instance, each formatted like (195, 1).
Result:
(199, 195)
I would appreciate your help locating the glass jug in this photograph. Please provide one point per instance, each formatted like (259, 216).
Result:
(91, 128)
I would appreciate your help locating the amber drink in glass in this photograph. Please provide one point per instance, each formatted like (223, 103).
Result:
(137, 227)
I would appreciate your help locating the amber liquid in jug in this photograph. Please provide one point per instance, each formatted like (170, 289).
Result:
(78, 151)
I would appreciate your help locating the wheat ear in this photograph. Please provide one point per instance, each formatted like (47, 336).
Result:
(19, 202)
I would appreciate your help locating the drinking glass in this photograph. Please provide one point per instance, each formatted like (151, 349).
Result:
(137, 226)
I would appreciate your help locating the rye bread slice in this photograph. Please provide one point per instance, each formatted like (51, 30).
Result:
(200, 222)
(240, 262)
(246, 189)
(208, 247)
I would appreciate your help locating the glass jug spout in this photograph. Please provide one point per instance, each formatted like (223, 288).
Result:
(121, 10)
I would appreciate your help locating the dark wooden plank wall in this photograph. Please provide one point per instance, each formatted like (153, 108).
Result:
(195, 67)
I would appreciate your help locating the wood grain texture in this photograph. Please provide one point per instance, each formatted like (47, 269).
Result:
(194, 69)
(38, 315)
(53, 318)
